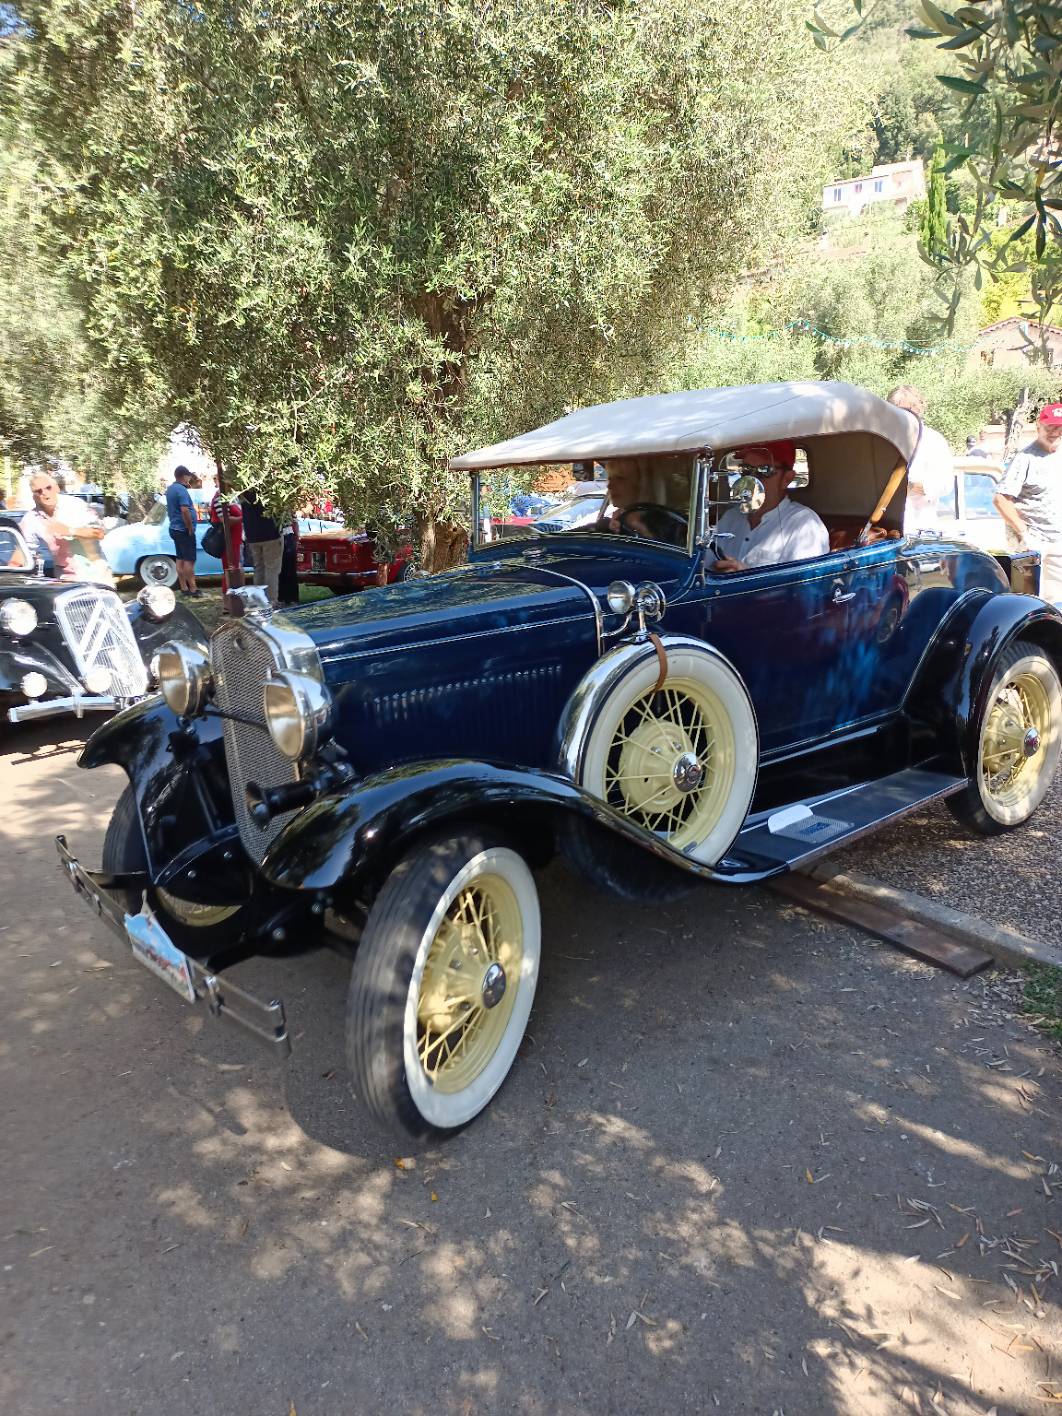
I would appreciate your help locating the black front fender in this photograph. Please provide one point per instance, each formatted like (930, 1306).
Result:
(357, 835)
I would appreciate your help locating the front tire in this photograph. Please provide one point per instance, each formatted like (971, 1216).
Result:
(157, 570)
(1019, 739)
(442, 984)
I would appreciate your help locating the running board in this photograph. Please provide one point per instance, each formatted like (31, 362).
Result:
(794, 836)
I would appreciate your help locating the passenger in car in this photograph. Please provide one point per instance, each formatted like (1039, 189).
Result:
(780, 530)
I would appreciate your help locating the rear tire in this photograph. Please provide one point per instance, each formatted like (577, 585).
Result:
(1019, 739)
(157, 570)
(442, 984)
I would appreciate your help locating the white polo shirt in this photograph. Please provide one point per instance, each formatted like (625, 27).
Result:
(789, 532)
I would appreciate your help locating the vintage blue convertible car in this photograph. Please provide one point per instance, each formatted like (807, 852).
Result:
(383, 772)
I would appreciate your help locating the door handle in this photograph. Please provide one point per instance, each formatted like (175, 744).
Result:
(840, 596)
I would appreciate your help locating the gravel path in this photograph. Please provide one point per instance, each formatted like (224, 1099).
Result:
(748, 1161)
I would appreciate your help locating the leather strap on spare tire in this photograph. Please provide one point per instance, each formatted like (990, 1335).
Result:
(661, 654)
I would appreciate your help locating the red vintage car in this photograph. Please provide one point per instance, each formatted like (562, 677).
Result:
(346, 560)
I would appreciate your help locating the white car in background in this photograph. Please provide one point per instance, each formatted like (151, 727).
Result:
(966, 509)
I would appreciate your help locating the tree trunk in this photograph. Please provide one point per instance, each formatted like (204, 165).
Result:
(442, 544)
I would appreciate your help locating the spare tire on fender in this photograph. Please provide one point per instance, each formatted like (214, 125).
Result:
(664, 733)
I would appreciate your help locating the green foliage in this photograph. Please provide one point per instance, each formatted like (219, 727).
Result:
(1001, 73)
(347, 241)
(50, 393)
(935, 226)
(874, 302)
(1043, 998)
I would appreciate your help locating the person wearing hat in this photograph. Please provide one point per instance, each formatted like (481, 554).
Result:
(779, 530)
(1029, 499)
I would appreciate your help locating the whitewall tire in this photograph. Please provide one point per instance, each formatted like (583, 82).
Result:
(1019, 741)
(442, 984)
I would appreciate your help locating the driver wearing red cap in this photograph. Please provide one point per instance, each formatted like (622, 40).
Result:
(779, 530)
(1029, 499)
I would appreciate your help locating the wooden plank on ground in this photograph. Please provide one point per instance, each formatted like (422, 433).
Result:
(934, 945)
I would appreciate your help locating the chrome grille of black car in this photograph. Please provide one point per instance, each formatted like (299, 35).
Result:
(241, 658)
(99, 636)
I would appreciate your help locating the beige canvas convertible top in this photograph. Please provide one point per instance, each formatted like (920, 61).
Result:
(709, 418)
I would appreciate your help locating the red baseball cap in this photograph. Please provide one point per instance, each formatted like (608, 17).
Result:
(1052, 415)
(783, 451)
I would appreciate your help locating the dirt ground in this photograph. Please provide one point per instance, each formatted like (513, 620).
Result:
(748, 1161)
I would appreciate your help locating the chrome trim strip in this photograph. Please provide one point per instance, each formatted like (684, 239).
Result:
(447, 639)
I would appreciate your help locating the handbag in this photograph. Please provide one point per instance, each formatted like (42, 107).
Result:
(214, 541)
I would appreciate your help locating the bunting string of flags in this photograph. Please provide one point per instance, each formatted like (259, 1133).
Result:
(906, 346)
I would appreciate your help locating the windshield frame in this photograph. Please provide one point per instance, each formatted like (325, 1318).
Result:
(21, 544)
(530, 537)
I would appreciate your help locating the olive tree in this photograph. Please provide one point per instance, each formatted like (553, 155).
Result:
(345, 240)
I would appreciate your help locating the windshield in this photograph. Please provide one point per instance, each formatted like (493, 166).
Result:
(644, 497)
(980, 491)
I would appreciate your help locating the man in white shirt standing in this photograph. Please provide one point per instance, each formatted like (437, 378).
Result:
(780, 530)
(930, 475)
(62, 525)
(1029, 499)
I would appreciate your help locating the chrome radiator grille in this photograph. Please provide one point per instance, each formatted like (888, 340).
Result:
(241, 658)
(99, 636)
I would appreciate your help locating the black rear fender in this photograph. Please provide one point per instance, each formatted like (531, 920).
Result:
(951, 686)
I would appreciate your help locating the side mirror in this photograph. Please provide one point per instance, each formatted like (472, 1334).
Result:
(748, 493)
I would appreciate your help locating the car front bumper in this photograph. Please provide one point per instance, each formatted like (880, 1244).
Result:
(77, 703)
(263, 1021)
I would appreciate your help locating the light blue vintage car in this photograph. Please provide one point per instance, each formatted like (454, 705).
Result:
(145, 549)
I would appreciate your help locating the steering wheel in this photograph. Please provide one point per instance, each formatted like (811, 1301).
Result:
(664, 517)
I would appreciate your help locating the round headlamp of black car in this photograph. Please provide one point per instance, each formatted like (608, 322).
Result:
(185, 680)
(18, 617)
(298, 712)
(157, 601)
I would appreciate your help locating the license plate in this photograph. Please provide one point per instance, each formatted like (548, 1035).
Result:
(152, 947)
(317, 560)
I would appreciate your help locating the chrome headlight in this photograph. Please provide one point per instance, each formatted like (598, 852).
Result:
(158, 601)
(620, 597)
(298, 713)
(185, 680)
(18, 617)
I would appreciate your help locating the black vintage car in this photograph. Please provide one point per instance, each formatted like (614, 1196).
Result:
(651, 696)
(73, 647)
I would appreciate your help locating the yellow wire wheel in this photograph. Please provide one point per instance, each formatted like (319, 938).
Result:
(1019, 742)
(443, 981)
(195, 916)
(679, 758)
(465, 1002)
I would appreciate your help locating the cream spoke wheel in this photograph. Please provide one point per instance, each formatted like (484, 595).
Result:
(1018, 744)
(194, 915)
(443, 982)
(479, 942)
(677, 756)
(660, 768)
